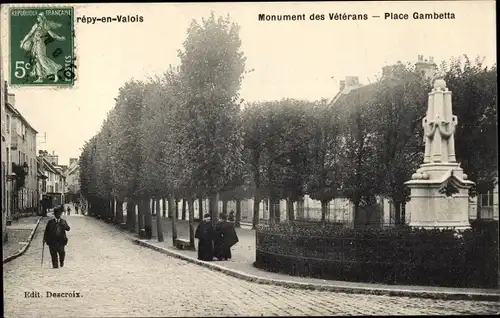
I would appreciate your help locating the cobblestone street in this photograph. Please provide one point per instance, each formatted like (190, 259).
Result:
(117, 278)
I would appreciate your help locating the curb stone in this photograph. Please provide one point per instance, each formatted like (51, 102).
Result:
(26, 244)
(477, 296)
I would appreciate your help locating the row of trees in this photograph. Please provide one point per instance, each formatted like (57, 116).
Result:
(187, 135)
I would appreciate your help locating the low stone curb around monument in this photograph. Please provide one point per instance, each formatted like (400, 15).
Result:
(26, 246)
(476, 296)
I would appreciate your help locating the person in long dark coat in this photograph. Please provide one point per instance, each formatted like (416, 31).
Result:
(205, 235)
(225, 238)
(55, 237)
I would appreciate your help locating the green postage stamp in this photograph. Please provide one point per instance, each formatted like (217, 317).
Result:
(42, 46)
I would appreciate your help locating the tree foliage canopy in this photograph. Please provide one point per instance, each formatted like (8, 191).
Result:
(186, 134)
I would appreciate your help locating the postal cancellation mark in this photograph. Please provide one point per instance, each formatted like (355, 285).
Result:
(42, 46)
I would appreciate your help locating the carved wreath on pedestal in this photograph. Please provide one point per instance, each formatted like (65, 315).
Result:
(448, 189)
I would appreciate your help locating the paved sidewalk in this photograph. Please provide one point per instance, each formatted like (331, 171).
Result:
(19, 236)
(241, 266)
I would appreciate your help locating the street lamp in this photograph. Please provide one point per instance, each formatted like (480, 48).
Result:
(26, 168)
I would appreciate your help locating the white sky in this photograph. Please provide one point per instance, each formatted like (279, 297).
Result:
(291, 59)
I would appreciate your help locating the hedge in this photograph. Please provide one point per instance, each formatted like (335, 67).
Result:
(382, 255)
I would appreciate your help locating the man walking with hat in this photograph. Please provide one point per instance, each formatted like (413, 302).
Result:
(55, 237)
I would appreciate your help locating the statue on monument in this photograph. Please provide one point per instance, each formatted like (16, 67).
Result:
(439, 147)
(439, 188)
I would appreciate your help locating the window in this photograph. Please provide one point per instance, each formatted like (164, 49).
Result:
(4, 193)
(487, 199)
(8, 124)
(57, 187)
(8, 159)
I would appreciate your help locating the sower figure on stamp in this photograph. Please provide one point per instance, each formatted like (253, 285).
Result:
(225, 238)
(205, 235)
(34, 42)
(55, 237)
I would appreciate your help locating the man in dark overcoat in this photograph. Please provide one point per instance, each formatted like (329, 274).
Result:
(205, 235)
(55, 237)
(225, 238)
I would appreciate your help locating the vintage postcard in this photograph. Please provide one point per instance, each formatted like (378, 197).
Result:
(249, 159)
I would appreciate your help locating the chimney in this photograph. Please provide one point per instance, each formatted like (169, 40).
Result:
(341, 86)
(11, 99)
(351, 81)
(386, 70)
(427, 67)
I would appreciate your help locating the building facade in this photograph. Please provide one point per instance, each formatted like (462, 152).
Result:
(73, 180)
(4, 158)
(52, 184)
(20, 151)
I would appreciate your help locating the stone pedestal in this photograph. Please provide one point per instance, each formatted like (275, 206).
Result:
(439, 188)
(431, 206)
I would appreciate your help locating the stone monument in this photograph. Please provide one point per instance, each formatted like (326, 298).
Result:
(439, 188)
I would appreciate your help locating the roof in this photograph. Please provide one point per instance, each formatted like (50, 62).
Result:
(19, 115)
(50, 166)
(72, 169)
(356, 96)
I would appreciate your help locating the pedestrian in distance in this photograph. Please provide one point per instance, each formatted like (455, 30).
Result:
(76, 208)
(205, 235)
(55, 237)
(68, 209)
(231, 216)
(225, 238)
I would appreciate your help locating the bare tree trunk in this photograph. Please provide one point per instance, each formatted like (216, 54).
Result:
(164, 206)
(356, 214)
(200, 208)
(131, 214)
(237, 219)
(289, 209)
(140, 215)
(191, 223)
(148, 219)
(256, 211)
(300, 209)
(176, 209)
(271, 210)
(397, 213)
(324, 210)
(184, 209)
(119, 212)
(403, 213)
(172, 209)
(111, 216)
(159, 221)
(214, 208)
(224, 206)
(478, 207)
